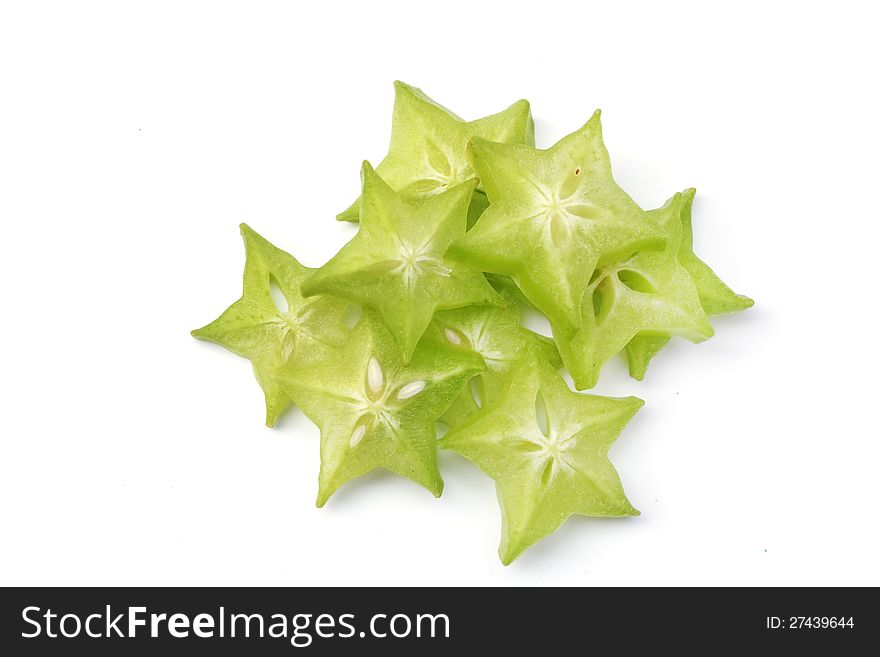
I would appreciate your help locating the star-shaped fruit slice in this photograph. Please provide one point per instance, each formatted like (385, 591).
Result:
(546, 448)
(554, 216)
(648, 293)
(396, 263)
(428, 152)
(270, 335)
(375, 411)
(498, 337)
(715, 297)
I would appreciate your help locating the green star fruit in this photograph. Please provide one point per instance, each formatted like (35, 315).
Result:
(428, 152)
(647, 293)
(396, 265)
(546, 447)
(715, 297)
(555, 215)
(254, 327)
(374, 410)
(498, 337)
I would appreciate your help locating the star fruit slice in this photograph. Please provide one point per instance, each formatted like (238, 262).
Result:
(546, 448)
(428, 152)
(648, 293)
(715, 297)
(375, 411)
(499, 338)
(555, 215)
(254, 327)
(396, 265)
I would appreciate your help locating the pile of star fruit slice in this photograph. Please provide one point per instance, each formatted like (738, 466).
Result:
(463, 227)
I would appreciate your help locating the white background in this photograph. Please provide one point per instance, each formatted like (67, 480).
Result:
(134, 137)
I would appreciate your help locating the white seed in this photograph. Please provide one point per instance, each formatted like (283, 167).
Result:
(357, 435)
(452, 336)
(375, 377)
(411, 389)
